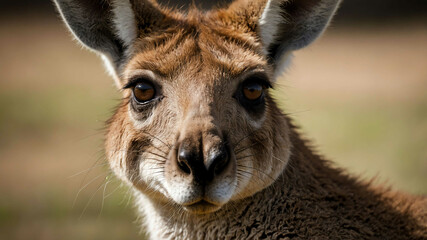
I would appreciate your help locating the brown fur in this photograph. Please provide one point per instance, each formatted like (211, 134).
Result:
(311, 198)
(279, 187)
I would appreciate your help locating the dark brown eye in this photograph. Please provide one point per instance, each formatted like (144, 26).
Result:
(252, 90)
(144, 92)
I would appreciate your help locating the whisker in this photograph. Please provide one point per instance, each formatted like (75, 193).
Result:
(296, 112)
(103, 196)
(83, 171)
(243, 171)
(87, 173)
(111, 193)
(243, 138)
(125, 195)
(129, 198)
(279, 159)
(265, 174)
(90, 200)
(158, 155)
(239, 158)
(247, 147)
(151, 135)
(157, 160)
(82, 188)
(160, 150)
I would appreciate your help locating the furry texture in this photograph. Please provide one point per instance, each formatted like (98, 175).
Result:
(266, 182)
(310, 200)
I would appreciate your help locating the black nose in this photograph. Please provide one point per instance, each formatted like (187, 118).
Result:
(218, 160)
(193, 162)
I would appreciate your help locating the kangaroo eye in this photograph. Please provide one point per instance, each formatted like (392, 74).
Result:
(144, 92)
(252, 90)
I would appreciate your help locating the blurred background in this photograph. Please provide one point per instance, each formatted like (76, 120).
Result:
(359, 93)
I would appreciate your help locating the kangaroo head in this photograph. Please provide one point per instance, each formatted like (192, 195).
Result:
(197, 126)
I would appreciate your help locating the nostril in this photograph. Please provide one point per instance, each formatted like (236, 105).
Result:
(191, 161)
(220, 161)
(183, 164)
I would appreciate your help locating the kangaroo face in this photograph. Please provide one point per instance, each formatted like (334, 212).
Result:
(197, 127)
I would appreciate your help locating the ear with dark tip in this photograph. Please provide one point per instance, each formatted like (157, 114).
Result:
(287, 25)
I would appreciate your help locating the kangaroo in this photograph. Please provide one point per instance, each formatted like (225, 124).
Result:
(201, 141)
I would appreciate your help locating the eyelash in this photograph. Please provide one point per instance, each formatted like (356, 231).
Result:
(132, 83)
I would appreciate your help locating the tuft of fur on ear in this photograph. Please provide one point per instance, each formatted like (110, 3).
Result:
(288, 25)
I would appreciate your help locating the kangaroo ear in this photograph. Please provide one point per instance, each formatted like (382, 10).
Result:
(287, 25)
(107, 26)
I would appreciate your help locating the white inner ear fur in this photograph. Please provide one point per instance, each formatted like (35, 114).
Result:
(311, 28)
(126, 29)
(124, 21)
(269, 23)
